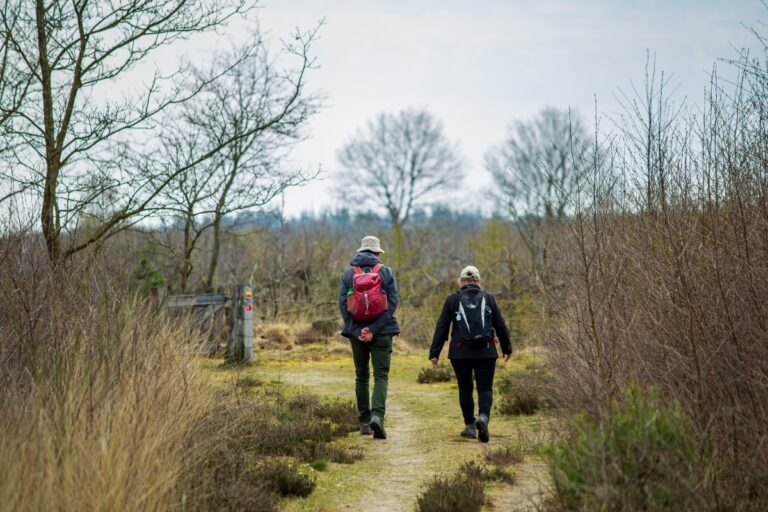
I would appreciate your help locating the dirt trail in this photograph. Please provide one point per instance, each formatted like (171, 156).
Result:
(528, 490)
(421, 443)
(401, 463)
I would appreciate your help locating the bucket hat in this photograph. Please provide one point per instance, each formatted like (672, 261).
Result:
(370, 243)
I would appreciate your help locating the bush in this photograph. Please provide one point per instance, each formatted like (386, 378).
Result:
(319, 465)
(285, 478)
(464, 491)
(434, 374)
(451, 494)
(505, 455)
(475, 471)
(644, 455)
(525, 392)
(327, 327)
(341, 414)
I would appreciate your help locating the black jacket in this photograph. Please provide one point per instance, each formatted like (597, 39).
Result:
(386, 323)
(459, 350)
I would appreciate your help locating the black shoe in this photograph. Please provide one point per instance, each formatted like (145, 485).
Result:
(482, 428)
(469, 432)
(365, 429)
(378, 428)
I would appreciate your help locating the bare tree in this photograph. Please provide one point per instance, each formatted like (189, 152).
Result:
(186, 201)
(262, 110)
(14, 86)
(536, 172)
(647, 116)
(72, 131)
(398, 161)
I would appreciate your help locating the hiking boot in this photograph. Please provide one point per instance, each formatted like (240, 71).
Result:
(377, 425)
(365, 429)
(469, 432)
(482, 428)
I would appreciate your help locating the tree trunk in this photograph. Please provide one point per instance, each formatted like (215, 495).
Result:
(214, 253)
(398, 251)
(49, 212)
(186, 266)
(218, 215)
(49, 217)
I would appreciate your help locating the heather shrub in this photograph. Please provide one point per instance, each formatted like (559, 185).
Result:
(506, 455)
(449, 494)
(525, 392)
(254, 446)
(430, 374)
(464, 490)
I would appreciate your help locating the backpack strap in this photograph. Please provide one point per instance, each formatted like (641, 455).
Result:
(358, 270)
(376, 268)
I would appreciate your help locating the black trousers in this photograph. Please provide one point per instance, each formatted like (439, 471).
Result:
(482, 370)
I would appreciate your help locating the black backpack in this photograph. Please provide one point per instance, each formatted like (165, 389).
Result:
(473, 318)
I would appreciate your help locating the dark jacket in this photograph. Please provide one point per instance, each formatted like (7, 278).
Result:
(459, 350)
(386, 323)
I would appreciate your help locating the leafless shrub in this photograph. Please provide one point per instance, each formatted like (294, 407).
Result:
(662, 278)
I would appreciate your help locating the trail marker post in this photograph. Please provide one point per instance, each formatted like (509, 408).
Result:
(240, 342)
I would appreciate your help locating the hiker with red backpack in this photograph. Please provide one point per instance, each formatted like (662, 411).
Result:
(367, 300)
(475, 322)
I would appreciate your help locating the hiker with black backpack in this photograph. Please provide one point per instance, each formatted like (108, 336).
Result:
(367, 300)
(475, 322)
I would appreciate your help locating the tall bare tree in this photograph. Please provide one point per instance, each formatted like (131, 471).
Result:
(73, 129)
(14, 86)
(398, 161)
(262, 110)
(646, 123)
(536, 172)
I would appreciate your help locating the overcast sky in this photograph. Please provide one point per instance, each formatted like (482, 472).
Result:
(479, 65)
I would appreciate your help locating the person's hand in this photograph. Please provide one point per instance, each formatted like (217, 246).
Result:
(434, 362)
(506, 357)
(366, 336)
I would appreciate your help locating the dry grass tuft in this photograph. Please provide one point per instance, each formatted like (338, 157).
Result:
(105, 426)
(276, 336)
(104, 407)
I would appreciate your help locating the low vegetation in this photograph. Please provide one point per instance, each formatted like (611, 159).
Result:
(448, 494)
(660, 279)
(525, 392)
(105, 408)
(263, 447)
(645, 454)
(439, 373)
(505, 455)
(465, 490)
(101, 404)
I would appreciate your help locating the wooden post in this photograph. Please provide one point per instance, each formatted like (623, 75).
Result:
(154, 299)
(240, 342)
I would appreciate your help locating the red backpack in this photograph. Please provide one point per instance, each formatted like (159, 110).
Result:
(366, 300)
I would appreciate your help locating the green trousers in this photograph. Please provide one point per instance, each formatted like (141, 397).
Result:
(379, 353)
